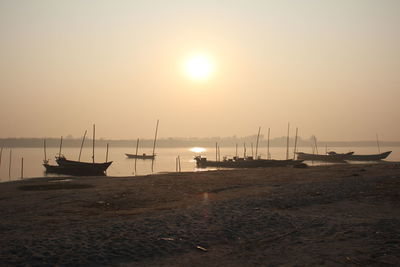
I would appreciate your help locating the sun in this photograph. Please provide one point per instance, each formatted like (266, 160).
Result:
(199, 67)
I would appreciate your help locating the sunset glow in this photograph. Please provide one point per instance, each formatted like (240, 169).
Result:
(199, 67)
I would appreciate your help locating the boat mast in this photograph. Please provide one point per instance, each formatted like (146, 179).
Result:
(377, 142)
(44, 147)
(295, 144)
(94, 137)
(287, 142)
(235, 151)
(80, 151)
(268, 154)
(107, 153)
(258, 138)
(315, 144)
(155, 138)
(59, 152)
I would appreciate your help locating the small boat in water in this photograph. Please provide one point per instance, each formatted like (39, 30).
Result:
(143, 156)
(372, 157)
(329, 157)
(236, 162)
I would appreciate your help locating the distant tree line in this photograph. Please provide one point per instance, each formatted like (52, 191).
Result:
(190, 142)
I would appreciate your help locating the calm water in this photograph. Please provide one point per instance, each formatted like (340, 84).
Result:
(165, 160)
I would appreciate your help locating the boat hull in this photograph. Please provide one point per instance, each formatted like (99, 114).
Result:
(134, 156)
(335, 157)
(73, 170)
(373, 157)
(258, 163)
(76, 167)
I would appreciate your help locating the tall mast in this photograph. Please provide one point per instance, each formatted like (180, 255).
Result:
(377, 142)
(94, 137)
(155, 138)
(258, 138)
(44, 147)
(59, 152)
(295, 144)
(80, 151)
(268, 154)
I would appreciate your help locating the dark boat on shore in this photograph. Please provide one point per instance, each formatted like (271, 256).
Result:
(143, 156)
(372, 157)
(330, 157)
(71, 167)
(236, 162)
(76, 168)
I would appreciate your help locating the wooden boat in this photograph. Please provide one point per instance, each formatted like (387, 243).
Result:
(330, 157)
(77, 168)
(143, 156)
(372, 157)
(236, 162)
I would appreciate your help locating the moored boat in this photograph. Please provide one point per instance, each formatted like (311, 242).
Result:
(329, 157)
(76, 168)
(143, 156)
(372, 157)
(236, 162)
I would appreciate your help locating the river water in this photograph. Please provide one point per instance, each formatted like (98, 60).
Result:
(165, 160)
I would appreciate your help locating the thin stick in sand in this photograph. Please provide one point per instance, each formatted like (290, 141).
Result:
(83, 141)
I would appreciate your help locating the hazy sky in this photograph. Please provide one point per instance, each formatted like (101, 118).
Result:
(329, 67)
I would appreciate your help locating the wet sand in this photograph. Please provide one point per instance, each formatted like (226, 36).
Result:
(325, 215)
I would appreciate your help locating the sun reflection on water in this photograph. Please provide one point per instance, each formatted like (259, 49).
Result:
(198, 149)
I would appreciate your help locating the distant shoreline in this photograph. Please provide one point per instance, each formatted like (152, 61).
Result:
(189, 142)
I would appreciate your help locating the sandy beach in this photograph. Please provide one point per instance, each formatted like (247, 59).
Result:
(324, 215)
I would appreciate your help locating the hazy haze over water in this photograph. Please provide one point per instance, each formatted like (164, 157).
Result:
(329, 67)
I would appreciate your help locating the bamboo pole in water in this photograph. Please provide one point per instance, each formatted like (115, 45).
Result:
(59, 152)
(244, 150)
(268, 154)
(94, 137)
(295, 144)
(377, 142)
(137, 149)
(9, 165)
(107, 153)
(258, 138)
(216, 151)
(236, 152)
(219, 155)
(83, 141)
(287, 142)
(252, 150)
(1, 154)
(22, 168)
